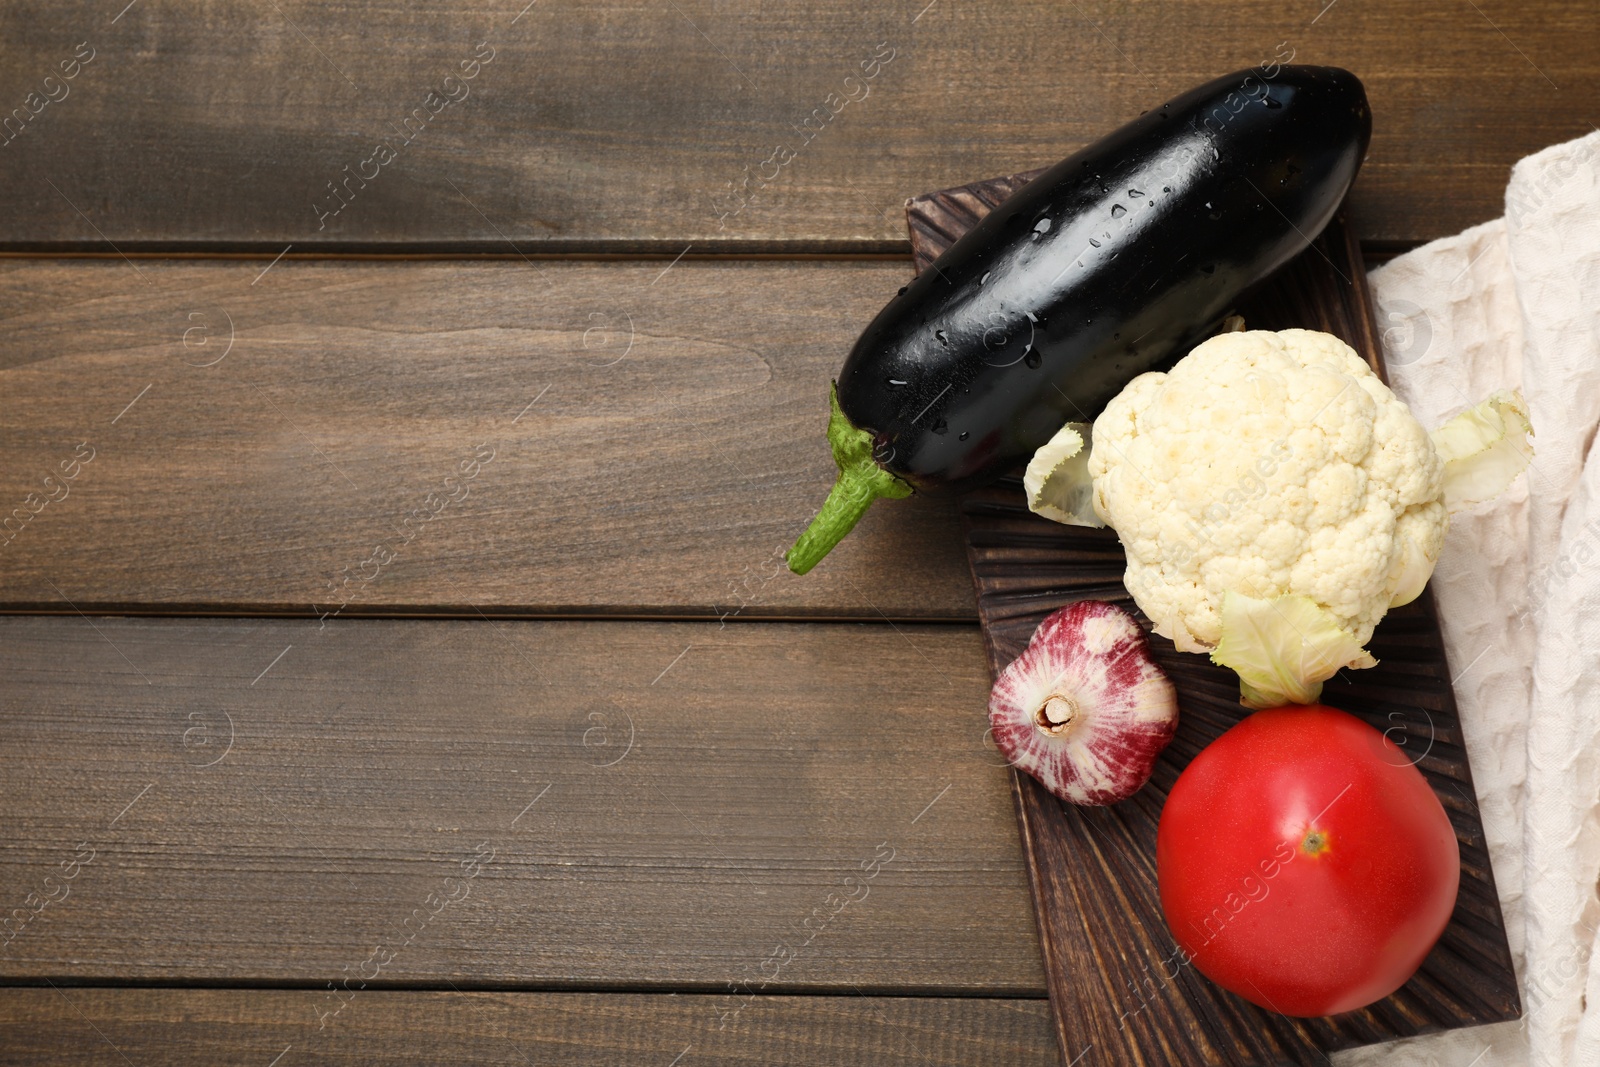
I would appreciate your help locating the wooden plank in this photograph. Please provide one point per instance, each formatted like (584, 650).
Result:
(642, 126)
(755, 808)
(654, 440)
(152, 1027)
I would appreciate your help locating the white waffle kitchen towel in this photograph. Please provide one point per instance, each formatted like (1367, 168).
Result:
(1515, 303)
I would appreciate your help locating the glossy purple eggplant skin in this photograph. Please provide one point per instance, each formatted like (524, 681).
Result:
(1111, 263)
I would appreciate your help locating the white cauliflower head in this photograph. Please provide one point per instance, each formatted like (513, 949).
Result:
(1275, 499)
(1267, 464)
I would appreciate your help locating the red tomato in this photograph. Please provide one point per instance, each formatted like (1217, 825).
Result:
(1304, 862)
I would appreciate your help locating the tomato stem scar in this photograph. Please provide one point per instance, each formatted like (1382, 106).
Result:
(1315, 843)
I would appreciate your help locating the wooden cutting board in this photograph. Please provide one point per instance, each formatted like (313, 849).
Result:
(1116, 993)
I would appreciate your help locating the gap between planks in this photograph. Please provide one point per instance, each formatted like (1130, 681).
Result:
(1373, 251)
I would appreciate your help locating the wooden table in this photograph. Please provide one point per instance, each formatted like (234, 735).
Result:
(398, 663)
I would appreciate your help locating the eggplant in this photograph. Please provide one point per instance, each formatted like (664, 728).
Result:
(1109, 264)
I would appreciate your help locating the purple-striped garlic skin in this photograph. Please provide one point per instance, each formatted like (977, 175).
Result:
(1085, 709)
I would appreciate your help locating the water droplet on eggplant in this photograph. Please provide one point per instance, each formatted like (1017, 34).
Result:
(1117, 211)
(943, 337)
(1135, 192)
(1094, 242)
(896, 383)
(940, 426)
(963, 435)
(1033, 358)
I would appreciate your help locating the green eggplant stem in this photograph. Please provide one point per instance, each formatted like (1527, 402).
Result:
(860, 482)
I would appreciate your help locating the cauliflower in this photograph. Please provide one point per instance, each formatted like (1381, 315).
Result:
(1275, 499)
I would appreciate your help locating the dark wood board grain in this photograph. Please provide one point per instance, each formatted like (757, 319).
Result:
(180, 1027)
(658, 440)
(1109, 959)
(200, 124)
(752, 809)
